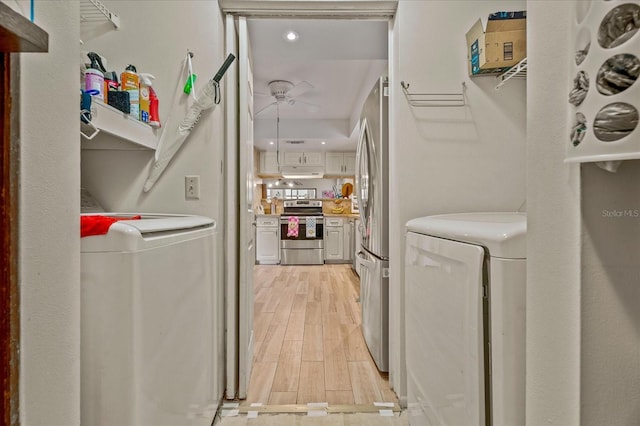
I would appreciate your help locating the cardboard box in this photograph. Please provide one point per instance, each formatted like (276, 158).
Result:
(501, 46)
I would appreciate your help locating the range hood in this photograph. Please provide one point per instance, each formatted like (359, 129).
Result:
(302, 172)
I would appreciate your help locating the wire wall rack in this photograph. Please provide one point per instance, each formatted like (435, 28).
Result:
(517, 71)
(95, 11)
(421, 100)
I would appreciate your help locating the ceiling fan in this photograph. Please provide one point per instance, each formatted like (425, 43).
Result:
(286, 93)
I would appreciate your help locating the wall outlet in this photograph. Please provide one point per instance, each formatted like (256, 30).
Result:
(192, 187)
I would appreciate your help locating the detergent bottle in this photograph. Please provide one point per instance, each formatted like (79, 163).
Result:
(129, 82)
(148, 101)
(145, 86)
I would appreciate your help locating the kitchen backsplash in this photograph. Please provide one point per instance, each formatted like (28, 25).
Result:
(329, 206)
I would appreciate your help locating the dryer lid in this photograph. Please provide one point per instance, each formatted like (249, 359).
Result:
(502, 233)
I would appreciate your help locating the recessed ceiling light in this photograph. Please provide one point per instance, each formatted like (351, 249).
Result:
(271, 143)
(291, 36)
(323, 142)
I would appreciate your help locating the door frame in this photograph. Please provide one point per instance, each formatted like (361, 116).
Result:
(19, 35)
(9, 249)
(240, 228)
(291, 9)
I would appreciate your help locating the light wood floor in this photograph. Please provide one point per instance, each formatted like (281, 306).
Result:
(309, 345)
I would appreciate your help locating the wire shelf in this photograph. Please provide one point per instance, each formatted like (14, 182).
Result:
(95, 11)
(420, 100)
(517, 71)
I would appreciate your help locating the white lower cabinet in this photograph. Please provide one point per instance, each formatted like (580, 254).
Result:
(339, 236)
(333, 239)
(348, 241)
(268, 240)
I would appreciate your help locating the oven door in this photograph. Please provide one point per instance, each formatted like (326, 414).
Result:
(310, 238)
(303, 249)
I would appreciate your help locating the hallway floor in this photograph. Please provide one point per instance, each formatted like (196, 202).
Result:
(309, 345)
(338, 419)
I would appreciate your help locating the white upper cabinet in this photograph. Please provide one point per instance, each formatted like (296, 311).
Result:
(292, 158)
(349, 161)
(313, 159)
(340, 164)
(303, 158)
(269, 163)
(333, 163)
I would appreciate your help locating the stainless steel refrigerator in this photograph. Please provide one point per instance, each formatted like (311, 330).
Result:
(372, 189)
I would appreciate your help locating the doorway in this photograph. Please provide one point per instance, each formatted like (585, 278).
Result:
(253, 340)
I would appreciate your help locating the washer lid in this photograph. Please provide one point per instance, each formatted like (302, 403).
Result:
(150, 231)
(502, 233)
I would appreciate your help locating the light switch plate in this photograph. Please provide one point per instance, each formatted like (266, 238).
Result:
(192, 187)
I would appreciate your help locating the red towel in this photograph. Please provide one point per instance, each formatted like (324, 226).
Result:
(99, 225)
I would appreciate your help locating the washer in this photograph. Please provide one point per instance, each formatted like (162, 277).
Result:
(465, 277)
(151, 345)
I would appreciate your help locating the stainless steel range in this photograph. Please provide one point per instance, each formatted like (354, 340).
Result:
(302, 233)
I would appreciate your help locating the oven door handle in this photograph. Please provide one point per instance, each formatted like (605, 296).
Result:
(302, 220)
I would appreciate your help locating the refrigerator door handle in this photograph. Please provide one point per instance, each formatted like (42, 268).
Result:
(362, 157)
(364, 260)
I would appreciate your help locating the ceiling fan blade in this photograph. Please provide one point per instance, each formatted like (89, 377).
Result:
(265, 108)
(311, 107)
(299, 89)
(258, 93)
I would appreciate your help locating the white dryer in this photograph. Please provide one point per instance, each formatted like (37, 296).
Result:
(465, 277)
(151, 323)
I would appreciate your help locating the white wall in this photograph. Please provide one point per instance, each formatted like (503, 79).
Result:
(583, 300)
(553, 240)
(446, 160)
(49, 223)
(155, 38)
(610, 300)
(51, 175)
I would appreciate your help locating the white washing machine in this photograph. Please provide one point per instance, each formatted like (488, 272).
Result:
(151, 323)
(465, 277)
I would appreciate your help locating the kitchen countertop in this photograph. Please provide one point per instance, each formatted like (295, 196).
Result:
(347, 215)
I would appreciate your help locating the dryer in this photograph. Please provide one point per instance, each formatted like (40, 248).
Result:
(152, 335)
(465, 277)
